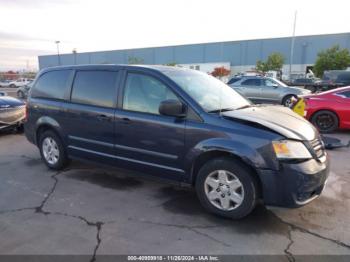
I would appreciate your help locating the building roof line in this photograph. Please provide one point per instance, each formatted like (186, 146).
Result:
(197, 44)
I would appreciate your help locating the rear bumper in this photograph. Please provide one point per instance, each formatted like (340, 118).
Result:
(29, 133)
(14, 124)
(294, 185)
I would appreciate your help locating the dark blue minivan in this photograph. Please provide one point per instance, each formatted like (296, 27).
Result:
(181, 125)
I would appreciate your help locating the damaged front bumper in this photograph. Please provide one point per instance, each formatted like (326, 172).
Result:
(294, 184)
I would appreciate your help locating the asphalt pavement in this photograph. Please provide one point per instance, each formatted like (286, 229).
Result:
(90, 210)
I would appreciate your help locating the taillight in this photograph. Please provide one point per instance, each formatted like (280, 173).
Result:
(26, 112)
(305, 101)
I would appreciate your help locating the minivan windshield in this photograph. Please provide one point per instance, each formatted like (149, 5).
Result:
(210, 93)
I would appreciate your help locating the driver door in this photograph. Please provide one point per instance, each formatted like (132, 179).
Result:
(146, 140)
(270, 91)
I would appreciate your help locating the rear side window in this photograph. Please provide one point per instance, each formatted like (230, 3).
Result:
(251, 82)
(52, 84)
(96, 88)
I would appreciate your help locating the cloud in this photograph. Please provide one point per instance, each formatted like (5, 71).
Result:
(32, 3)
(5, 36)
(18, 50)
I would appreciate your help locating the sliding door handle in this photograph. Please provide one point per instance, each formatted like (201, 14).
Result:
(103, 118)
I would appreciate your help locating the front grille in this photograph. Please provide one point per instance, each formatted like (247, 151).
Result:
(12, 114)
(318, 147)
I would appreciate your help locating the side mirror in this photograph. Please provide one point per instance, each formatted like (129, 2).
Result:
(172, 107)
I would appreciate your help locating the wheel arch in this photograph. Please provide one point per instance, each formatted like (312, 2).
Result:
(212, 154)
(284, 96)
(47, 123)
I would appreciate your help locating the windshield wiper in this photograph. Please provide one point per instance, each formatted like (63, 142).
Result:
(242, 107)
(221, 110)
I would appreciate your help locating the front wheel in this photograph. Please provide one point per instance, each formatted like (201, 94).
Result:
(52, 150)
(227, 188)
(12, 86)
(289, 100)
(20, 94)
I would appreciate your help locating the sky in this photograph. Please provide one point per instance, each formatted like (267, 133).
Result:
(31, 27)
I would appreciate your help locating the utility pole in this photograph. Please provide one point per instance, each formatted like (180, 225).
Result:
(292, 46)
(58, 52)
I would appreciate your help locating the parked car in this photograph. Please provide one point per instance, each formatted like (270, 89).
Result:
(22, 91)
(267, 90)
(4, 83)
(329, 110)
(302, 82)
(312, 84)
(12, 113)
(2, 93)
(179, 124)
(16, 83)
(234, 79)
(333, 79)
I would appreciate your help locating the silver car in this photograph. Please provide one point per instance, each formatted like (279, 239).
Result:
(267, 90)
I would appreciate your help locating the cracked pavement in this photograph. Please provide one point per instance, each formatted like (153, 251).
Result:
(89, 210)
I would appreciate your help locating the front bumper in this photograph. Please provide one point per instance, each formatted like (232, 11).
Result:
(294, 184)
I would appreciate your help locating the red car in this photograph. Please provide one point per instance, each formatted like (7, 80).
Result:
(329, 110)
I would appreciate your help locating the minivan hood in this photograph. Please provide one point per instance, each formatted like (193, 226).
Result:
(277, 118)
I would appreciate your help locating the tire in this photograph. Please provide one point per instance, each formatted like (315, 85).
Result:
(19, 129)
(325, 121)
(312, 89)
(247, 190)
(12, 86)
(287, 100)
(20, 94)
(54, 150)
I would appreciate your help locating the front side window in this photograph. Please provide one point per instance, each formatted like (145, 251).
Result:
(209, 92)
(145, 93)
(251, 82)
(96, 88)
(269, 82)
(345, 94)
(51, 84)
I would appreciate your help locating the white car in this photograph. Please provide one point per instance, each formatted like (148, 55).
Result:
(16, 83)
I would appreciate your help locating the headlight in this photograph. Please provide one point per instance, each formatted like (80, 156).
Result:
(289, 149)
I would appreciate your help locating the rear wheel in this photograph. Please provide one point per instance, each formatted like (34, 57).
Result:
(325, 121)
(12, 86)
(227, 188)
(52, 150)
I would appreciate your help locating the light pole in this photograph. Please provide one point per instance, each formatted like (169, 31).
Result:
(292, 46)
(58, 52)
(75, 55)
